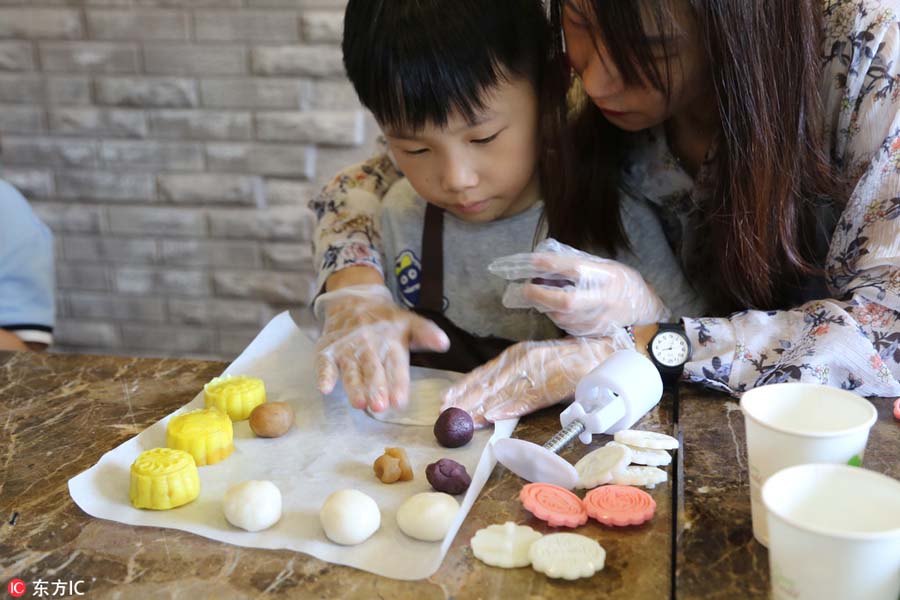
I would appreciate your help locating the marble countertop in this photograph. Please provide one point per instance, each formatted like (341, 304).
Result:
(60, 413)
(717, 556)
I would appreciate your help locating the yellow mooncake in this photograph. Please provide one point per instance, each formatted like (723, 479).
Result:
(235, 395)
(163, 478)
(205, 433)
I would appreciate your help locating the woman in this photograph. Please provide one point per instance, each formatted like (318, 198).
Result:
(744, 124)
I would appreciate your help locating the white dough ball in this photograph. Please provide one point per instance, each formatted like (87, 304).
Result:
(252, 505)
(427, 516)
(349, 517)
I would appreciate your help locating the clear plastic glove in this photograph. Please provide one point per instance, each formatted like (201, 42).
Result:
(529, 376)
(583, 294)
(366, 338)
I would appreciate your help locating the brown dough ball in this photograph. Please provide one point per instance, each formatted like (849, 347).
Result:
(387, 468)
(454, 428)
(393, 466)
(448, 476)
(271, 419)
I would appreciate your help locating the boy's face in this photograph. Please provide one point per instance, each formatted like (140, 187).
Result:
(479, 171)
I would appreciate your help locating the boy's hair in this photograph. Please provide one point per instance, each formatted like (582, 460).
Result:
(414, 62)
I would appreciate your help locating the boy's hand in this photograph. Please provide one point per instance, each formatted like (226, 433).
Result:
(583, 294)
(366, 338)
(528, 376)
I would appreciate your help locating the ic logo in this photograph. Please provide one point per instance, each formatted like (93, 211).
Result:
(16, 588)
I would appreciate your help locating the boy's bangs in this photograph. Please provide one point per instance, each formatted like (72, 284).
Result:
(442, 57)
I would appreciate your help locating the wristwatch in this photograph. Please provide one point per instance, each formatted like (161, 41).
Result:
(670, 350)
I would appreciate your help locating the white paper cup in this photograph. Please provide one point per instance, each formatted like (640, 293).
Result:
(834, 532)
(796, 423)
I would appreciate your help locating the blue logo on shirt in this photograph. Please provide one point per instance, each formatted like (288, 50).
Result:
(408, 269)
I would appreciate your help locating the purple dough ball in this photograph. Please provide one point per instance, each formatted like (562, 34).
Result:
(454, 428)
(448, 476)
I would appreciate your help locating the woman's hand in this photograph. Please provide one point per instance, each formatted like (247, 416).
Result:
(528, 376)
(366, 338)
(583, 294)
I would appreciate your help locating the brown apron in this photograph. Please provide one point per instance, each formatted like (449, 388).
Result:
(467, 351)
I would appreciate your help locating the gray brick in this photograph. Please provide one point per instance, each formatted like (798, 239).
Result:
(139, 280)
(87, 334)
(281, 192)
(138, 25)
(106, 185)
(16, 56)
(183, 59)
(201, 125)
(21, 89)
(168, 340)
(310, 61)
(343, 128)
(151, 155)
(98, 122)
(323, 26)
(33, 183)
(89, 57)
(68, 90)
(108, 249)
(194, 253)
(163, 222)
(81, 277)
(217, 312)
(265, 26)
(233, 341)
(255, 93)
(191, 3)
(286, 288)
(288, 257)
(293, 160)
(85, 305)
(65, 217)
(40, 23)
(197, 188)
(49, 151)
(294, 223)
(298, 3)
(333, 95)
(21, 119)
(159, 92)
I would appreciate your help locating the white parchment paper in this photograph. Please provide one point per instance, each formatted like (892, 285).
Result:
(331, 447)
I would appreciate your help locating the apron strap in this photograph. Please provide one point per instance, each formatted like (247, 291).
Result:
(432, 294)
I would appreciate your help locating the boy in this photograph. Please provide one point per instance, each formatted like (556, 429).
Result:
(454, 86)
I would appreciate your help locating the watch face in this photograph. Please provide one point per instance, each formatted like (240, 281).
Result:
(670, 349)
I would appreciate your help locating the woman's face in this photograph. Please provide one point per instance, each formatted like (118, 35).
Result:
(641, 106)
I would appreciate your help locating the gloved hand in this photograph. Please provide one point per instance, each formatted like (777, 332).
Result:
(583, 294)
(529, 376)
(367, 338)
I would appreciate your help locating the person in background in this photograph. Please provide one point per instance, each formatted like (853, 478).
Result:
(767, 137)
(27, 304)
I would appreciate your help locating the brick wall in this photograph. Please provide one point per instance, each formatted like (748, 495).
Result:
(172, 145)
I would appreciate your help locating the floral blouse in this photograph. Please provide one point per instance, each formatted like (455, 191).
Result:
(851, 340)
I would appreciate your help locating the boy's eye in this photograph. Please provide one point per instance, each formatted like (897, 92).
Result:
(486, 140)
(416, 152)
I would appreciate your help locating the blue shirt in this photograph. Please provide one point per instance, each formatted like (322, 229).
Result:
(27, 306)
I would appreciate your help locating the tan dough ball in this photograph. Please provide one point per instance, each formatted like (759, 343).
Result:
(427, 516)
(272, 419)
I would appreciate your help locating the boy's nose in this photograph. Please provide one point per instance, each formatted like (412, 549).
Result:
(458, 176)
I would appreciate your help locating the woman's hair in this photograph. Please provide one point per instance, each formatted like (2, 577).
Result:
(771, 166)
(414, 62)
